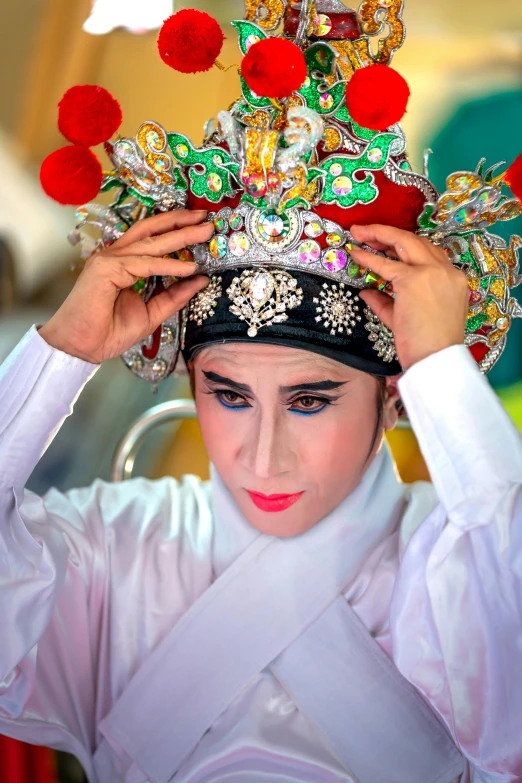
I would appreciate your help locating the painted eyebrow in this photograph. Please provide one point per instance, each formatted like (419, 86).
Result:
(313, 386)
(215, 378)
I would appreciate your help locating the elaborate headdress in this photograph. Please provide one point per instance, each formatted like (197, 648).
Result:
(312, 147)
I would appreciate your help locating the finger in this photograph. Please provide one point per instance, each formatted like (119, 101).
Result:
(381, 304)
(123, 271)
(174, 299)
(160, 224)
(169, 242)
(385, 267)
(406, 246)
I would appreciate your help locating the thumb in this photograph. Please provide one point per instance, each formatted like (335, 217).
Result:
(164, 305)
(381, 304)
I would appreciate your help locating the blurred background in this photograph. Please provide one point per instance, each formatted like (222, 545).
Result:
(463, 61)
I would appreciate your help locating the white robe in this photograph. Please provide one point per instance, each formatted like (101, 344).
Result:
(93, 580)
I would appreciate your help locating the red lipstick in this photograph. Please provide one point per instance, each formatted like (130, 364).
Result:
(273, 502)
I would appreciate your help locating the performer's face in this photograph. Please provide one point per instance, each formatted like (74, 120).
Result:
(289, 423)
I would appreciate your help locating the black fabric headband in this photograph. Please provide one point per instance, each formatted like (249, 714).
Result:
(293, 309)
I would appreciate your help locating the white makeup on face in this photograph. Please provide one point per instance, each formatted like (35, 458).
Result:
(290, 432)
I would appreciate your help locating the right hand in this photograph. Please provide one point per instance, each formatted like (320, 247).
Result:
(103, 316)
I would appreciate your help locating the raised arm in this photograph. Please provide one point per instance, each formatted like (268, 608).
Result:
(53, 553)
(456, 614)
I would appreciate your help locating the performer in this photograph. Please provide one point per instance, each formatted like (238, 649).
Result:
(303, 615)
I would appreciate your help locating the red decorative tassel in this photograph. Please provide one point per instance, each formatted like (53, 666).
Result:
(274, 68)
(88, 115)
(377, 97)
(513, 177)
(71, 175)
(190, 41)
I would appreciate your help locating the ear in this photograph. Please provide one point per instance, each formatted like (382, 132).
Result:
(392, 405)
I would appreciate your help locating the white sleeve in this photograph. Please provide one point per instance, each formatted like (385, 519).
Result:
(456, 613)
(90, 580)
(38, 388)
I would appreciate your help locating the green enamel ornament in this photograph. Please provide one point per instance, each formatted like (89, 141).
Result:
(247, 31)
(342, 187)
(320, 59)
(211, 170)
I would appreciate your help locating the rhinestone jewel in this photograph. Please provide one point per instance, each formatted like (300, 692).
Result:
(375, 155)
(214, 182)
(273, 227)
(489, 198)
(466, 215)
(220, 224)
(182, 150)
(335, 169)
(218, 247)
(322, 25)
(334, 240)
(334, 260)
(260, 289)
(81, 214)
(313, 229)
(342, 186)
(235, 221)
(124, 150)
(239, 244)
(326, 101)
(251, 40)
(158, 370)
(153, 139)
(309, 251)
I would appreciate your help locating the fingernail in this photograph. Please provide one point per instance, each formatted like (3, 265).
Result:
(201, 211)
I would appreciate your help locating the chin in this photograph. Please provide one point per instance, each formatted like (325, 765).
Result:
(282, 524)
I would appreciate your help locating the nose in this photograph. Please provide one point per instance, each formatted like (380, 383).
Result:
(267, 450)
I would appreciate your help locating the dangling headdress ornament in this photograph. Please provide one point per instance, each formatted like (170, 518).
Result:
(312, 147)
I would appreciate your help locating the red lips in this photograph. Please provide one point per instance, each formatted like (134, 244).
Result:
(273, 502)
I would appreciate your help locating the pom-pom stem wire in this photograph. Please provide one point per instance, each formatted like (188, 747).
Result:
(225, 68)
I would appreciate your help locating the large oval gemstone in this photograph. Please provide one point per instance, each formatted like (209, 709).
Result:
(260, 289)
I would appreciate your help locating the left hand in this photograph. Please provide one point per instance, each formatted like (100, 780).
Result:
(431, 304)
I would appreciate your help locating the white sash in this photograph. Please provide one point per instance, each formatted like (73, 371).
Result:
(256, 614)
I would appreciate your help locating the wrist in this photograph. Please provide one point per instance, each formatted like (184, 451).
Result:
(414, 357)
(53, 336)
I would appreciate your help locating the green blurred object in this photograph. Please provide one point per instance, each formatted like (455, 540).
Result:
(489, 127)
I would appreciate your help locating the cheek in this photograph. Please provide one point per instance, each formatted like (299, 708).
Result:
(336, 445)
(219, 428)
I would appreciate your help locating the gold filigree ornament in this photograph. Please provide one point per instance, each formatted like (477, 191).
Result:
(204, 304)
(380, 336)
(266, 13)
(337, 309)
(261, 297)
(374, 16)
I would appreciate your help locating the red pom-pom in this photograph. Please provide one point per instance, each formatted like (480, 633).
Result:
(377, 97)
(274, 68)
(88, 115)
(190, 41)
(513, 177)
(71, 175)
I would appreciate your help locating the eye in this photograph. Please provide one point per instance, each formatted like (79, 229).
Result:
(309, 405)
(231, 399)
